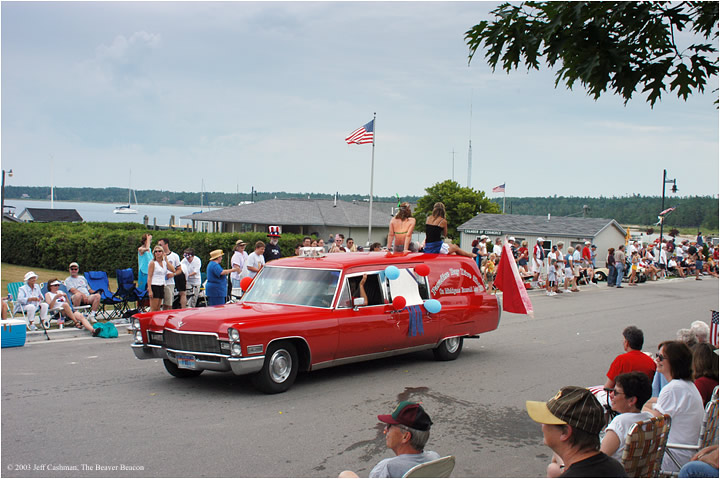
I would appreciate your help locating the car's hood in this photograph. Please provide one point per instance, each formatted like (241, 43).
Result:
(219, 318)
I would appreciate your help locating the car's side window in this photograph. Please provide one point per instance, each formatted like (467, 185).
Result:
(410, 285)
(352, 289)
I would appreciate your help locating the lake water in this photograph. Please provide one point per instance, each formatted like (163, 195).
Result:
(104, 211)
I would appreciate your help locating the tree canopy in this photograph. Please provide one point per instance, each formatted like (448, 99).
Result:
(622, 46)
(461, 204)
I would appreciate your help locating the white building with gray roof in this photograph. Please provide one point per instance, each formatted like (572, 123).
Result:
(301, 216)
(604, 233)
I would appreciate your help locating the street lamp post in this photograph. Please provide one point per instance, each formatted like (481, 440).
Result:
(9, 173)
(674, 190)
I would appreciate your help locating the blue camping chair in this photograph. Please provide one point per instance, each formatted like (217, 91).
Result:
(98, 281)
(127, 290)
(55, 313)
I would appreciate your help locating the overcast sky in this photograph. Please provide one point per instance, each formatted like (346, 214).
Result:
(263, 94)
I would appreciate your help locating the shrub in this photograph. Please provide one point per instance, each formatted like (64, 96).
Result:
(110, 246)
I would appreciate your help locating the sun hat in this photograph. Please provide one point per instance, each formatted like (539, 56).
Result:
(30, 274)
(240, 242)
(73, 264)
(54, 283)
(408, 414)
(572, 405)
(215, 254)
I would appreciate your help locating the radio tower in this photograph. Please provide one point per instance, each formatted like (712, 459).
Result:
(470, 146)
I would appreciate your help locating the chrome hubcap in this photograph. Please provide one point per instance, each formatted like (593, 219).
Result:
(280, 366)
(452, 344)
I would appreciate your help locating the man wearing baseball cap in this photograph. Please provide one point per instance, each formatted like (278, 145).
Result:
(407, 430)
(572, 421)
(80, 292)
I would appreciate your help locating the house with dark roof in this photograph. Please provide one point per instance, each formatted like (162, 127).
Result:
(301, 216)
(46, 215)
(604, 233)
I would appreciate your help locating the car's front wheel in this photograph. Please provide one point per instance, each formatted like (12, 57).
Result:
(174, 370)
(600, 276)
(279, 370)
(449, 349)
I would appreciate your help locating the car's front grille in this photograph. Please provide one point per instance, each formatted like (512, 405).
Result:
(204, 343)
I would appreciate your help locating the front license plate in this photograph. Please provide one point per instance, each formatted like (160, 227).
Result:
(186, 361)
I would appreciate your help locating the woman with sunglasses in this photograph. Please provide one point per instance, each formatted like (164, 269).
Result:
(679, 399)
(627, 397)
(157, 273)
(58, 300)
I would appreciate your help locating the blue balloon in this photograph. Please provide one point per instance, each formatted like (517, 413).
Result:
(392, 272)
(433, 306)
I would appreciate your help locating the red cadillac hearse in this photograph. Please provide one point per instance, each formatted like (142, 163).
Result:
(311, 312)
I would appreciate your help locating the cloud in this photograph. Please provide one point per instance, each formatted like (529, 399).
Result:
(124, 49)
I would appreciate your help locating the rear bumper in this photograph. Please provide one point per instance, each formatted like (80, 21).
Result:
(203, 361)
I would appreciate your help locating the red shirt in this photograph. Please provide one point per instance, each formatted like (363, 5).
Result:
(523, 251)
(632, 361)
(705, 386)
(586, 254)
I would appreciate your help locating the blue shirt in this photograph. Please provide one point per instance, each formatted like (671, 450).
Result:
(216, 283)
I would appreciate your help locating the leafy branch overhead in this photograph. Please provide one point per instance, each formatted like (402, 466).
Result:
(621, 46)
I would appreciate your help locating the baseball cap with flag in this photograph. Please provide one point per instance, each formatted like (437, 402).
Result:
(572, 405)
(408, 414)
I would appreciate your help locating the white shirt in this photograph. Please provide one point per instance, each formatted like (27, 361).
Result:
(78, 283)
(238, 259)
(681, 400)
(621, 425)
(173, 259)
(551, 256)
(255, 260)
(191, 267)
(497, 249)
(159, 272)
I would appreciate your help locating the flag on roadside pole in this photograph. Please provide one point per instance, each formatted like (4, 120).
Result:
(362, 135)
(515, 298)
(499, 189)
(714, 328)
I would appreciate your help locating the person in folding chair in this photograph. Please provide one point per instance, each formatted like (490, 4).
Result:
(58, 301)
(630, 392)
(30, 299)
(407, 430)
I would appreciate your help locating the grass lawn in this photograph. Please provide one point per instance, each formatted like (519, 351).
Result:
(10, 273)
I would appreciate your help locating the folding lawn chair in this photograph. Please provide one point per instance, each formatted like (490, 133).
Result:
(55, 312)
(645, 447)
(98, 281)
(441, 467)
(128, 292)
(13, 304)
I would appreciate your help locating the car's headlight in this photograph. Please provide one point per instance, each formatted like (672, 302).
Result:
(233, 334)
(136, 323)
(236, 350)
(138, 336)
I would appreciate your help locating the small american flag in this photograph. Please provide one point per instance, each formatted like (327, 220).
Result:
(714, 328)
(362, 135)
(499, 189)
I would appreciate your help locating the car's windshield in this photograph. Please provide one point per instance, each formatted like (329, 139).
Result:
(299, 286)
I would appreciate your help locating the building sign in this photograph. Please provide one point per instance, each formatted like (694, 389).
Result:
(483, 232)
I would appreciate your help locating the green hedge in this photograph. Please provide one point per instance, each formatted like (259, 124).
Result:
(110, 246)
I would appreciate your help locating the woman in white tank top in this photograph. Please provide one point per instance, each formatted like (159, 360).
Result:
(157, 273)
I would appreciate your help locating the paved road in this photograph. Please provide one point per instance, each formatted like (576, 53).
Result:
(87, 408)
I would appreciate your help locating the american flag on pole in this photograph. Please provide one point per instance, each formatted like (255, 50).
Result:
(362, 135)
(714, 328)
(499, 189)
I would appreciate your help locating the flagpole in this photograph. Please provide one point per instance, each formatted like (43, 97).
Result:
(504, 188)
(372, 173)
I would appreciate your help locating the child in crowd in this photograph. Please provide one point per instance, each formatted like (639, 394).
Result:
(552, 278)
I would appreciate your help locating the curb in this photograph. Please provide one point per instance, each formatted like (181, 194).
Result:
(66, 333)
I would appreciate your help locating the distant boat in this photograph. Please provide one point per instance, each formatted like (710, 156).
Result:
(127, 209)
(202, 193)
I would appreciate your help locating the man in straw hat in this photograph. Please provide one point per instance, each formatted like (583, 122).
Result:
(571, 424)
(407, 430)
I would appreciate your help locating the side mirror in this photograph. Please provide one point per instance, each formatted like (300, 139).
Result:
(357, 302)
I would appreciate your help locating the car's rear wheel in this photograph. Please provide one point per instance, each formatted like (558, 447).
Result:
(600, 276)
(279, 370)
(174, 370)
(449, 349)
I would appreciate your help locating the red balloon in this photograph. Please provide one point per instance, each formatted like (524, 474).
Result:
(422, 269)
(245, 283)
(399, 302)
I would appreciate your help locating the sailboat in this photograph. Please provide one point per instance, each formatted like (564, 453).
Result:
(202, 193)
(127, 209)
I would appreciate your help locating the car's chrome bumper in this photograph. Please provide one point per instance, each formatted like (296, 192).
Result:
(203, 361)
